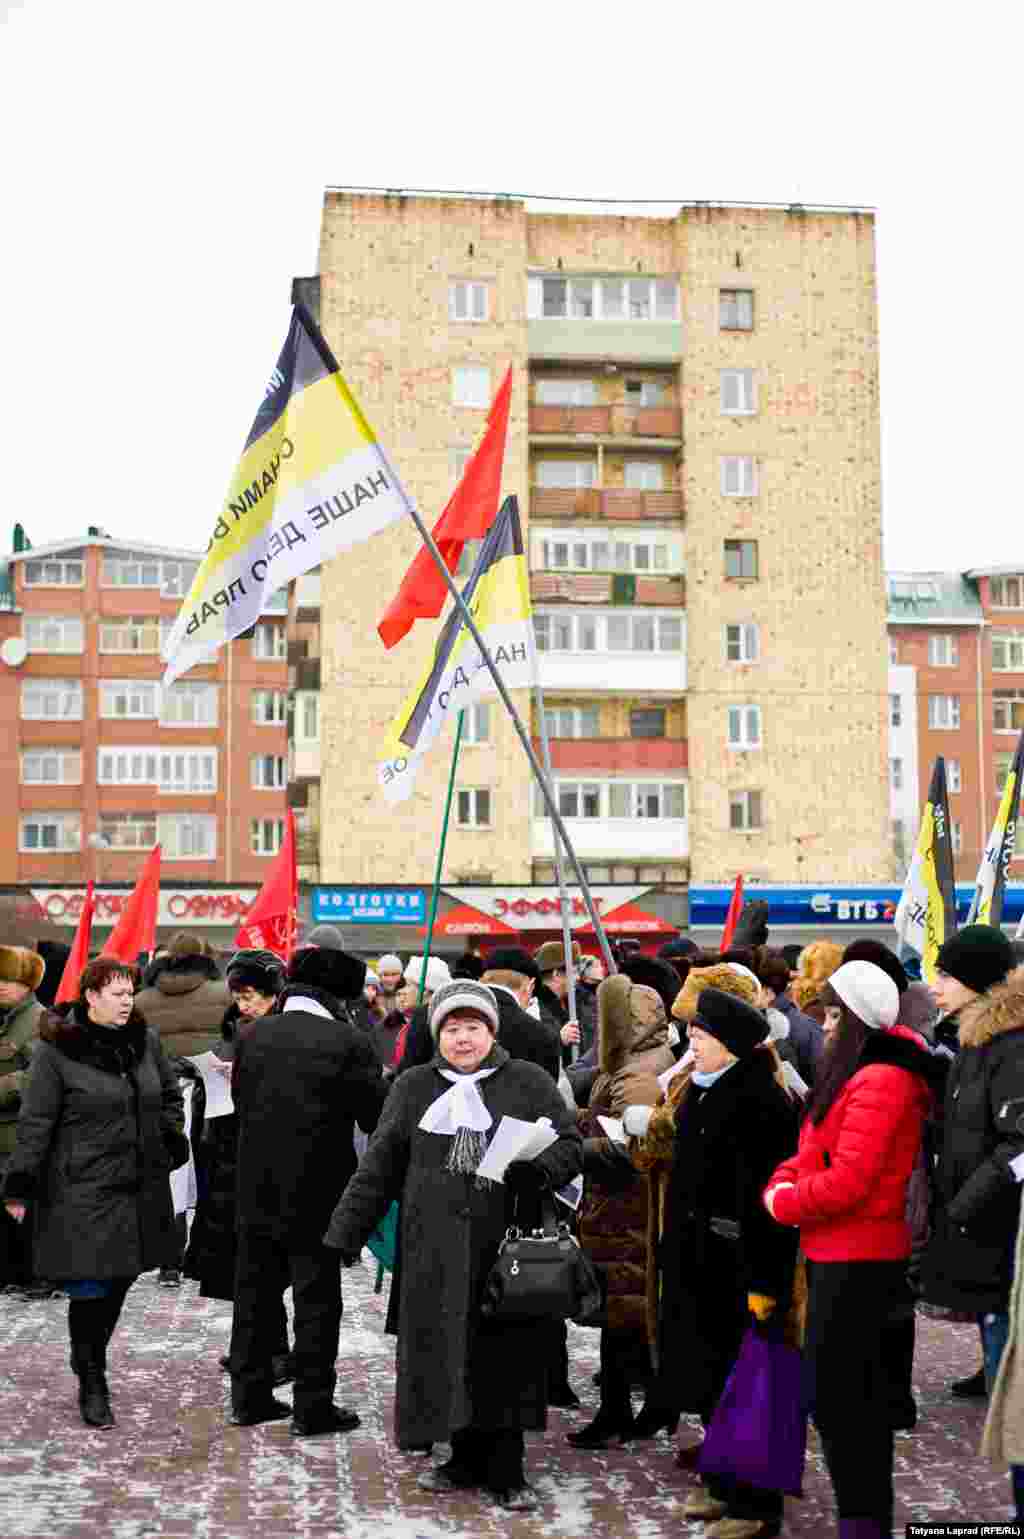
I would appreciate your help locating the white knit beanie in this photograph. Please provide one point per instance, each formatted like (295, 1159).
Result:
(868, 992)
(389, 963)
(437, 972)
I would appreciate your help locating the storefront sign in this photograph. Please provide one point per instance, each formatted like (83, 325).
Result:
(823, 907)
(369, 905)
(200, 906)
(537, 908)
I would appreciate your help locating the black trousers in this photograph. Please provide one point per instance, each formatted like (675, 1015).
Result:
(558, 1373)
(625, 1360)
(490, 1455)
(264, 1269)
(91, 1322)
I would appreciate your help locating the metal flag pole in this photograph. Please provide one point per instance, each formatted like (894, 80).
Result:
(563, 896)
(506, 699)
(440, 856)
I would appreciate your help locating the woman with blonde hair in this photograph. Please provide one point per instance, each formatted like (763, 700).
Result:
(818, 962)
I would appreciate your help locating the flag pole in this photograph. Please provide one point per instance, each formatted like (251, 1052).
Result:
(563, 896)
(506, 699)
(440, 855)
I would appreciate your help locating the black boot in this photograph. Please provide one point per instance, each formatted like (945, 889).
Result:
(972, 1388)
(605, 1428)
(654, 1419)
(88, 1360)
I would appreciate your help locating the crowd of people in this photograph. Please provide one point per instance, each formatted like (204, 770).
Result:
(798, 1148)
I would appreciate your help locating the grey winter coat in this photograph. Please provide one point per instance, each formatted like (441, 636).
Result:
(101, 1128)
(454, 1368)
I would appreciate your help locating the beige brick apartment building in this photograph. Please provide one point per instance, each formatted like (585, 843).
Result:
(694, 444)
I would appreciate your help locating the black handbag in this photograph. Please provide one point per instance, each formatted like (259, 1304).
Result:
(542, 1274)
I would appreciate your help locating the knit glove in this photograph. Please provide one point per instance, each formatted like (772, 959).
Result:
(525, 1178)
(762, 1306)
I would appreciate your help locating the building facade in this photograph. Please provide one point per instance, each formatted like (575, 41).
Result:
(694, 442)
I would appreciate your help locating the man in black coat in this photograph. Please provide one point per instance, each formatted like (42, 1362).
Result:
(302, 1077)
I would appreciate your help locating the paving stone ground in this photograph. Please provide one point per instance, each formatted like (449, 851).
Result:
(172, 1467)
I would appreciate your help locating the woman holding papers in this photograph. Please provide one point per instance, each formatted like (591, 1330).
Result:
(101, 1127)
(461, 1378)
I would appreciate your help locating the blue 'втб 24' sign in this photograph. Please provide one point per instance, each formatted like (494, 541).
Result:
(821, 906)
(369, 905)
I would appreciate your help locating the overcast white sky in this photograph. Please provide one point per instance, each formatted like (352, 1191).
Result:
(164, 168)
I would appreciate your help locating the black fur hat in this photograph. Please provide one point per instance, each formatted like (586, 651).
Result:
(336, 972)
(259, 970)
(655, 974)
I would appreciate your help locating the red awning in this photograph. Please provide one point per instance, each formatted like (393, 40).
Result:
(627, 919)
(463, 919)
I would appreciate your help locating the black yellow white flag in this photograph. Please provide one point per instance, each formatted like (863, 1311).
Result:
(498, 597)
(926, 913)
(312, 481)
(990, 888)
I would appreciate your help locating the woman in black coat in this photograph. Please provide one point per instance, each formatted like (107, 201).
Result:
(460, 1377)
(100, 1130)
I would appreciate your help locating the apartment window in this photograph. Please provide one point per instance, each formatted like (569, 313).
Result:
(647, 721)
(275, 603)
(48, 833)
(51, 699)
(744, 726)
(178, 577)
(190, 772)
(129, 700)
(573, 721)
(189, 705)
(745, 811)
(566, 475)
(956, 835)
(895, 711)
(603, 555)
(473, 809)
(269, 772)
(54, 633)
(51, 767)
(578, 799)
(741, 558)
(131, 570)
(954, 780)
(471, 385)
(269, 707)
(269, 642)
(266, 835)
(467, 300)
(736, 309)
(476, 724)
(586, 299)
(894, 652)
(1006, 592)
(943, 711)
(129, 830)
(566, 392)
(138, 634)
(188, 835)
(899, 841)
(738, 393)
(644, 392)
(926, 590)
(566, 630)
(646, 800)
(738, 475)
(1003, 766)
(307, 716)
(896, 774)
(742, 643)
(127, 766)
(1008, 710)
(644, 475)
(54, 574)
(1007, 652)
(942, 652)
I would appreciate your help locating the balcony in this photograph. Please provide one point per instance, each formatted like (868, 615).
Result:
(604, 341)
(598, 588)
(613, 673)
(617, 422)
(631, 839)
(618, 502)
(605, 755)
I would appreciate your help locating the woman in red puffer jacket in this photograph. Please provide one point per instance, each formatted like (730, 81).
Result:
(846, 1191)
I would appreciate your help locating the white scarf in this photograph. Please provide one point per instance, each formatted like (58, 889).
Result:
(307, 1006)
(461, 1114)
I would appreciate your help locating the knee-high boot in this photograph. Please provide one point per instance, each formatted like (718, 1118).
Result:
(87, 1326)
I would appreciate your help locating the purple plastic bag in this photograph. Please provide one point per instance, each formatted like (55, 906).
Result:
(758, 1433)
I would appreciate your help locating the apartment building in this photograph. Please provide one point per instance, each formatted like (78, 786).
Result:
(694, 443)
(304, 721)
(98, 762)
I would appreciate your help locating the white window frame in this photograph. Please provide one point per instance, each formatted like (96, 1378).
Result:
(639, 794)
(746, 641)
(565, 551)
(304, 698)
(188, 772)
(1001, 595)
(601, 624)
(1007, 710)
(639, 388)
(476, 724)
(137, 821)
(738, 475)
(895, 709)
(742, 576)
(954, 776)
(554, 475)
(737, 392)
(143, 693)
(69, 629)
(941, 707)
(68, 824)
(742, 800)
(57, 572)
(259, 842)
(649, 737)
(131, 569)
(66, 764)
(644, 475)
(472, 297)
(278, 716)
(743, 727)
(114, 630)
(204, 707)
(120, 764)
(278, 774)
(627, 297)
(177, 577)
(943, 650)
(574, 392)
(471, 386)
(559, 717)
(896, 774)
(1009, 647)
(956, 836)
(270, 641)
(67, 692)
(468, 802)
(741, 303)
(168, 829)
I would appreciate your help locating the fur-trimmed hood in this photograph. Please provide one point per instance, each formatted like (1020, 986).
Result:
(630, 1020)
(182, 975)
(994, 1013)
(720, 976)
(115, 1048)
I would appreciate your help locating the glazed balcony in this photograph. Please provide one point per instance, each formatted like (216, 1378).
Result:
(618, 502)
(599, 588)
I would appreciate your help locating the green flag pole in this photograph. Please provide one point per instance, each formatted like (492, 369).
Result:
(440, 856)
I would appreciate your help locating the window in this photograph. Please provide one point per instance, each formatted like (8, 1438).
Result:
(644, 392)
(578, 799)
(307, 716)
(63, 573)
(471, 385)
(901, 590)
(738, 475)
(645, 475)
(129, 699)
(269, 642)
(741, 558)
(269, 707)
(894, 652)
(567, 630)
(566, 475)
(646, 800)
(745, 811)
(571, 554)
(926, 591)
(954, 780)
(742, 643)
(467, 301)
(275, 603)
(736, 309)
(895, 711)
(54, 633)
(573, 721)
(476, 724)
(131, 569)
(190, 772)
(943, 711)
(473, 809)
(942, 652)
(129, 830)
(956, 833)
(127, 766)
(614, 299)
(269, 772)
(647, 721)
(266, 835)
(1007, 710)
(187, 835)
(1006, 592)
(738, 393)
(178, 577)
(139, 634)
(460, 458)
(47, 833)
(896, 774)
(1007, 652)
(566, 392)
(899, 841)
(1003, 766)
(51, 767)
(744, 726)
(189, 705)
(51, 699)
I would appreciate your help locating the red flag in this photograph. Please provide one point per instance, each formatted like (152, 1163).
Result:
(732, 918)
(468, 516)
(135, 931)
(77, 961)
(271, 923)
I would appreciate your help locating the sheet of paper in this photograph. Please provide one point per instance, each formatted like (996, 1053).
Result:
(614, 1129)
(515, 1139)
(796, 1082)
(572, 1194)
(216, 1083)
(183, 1180)
(664, 1080)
